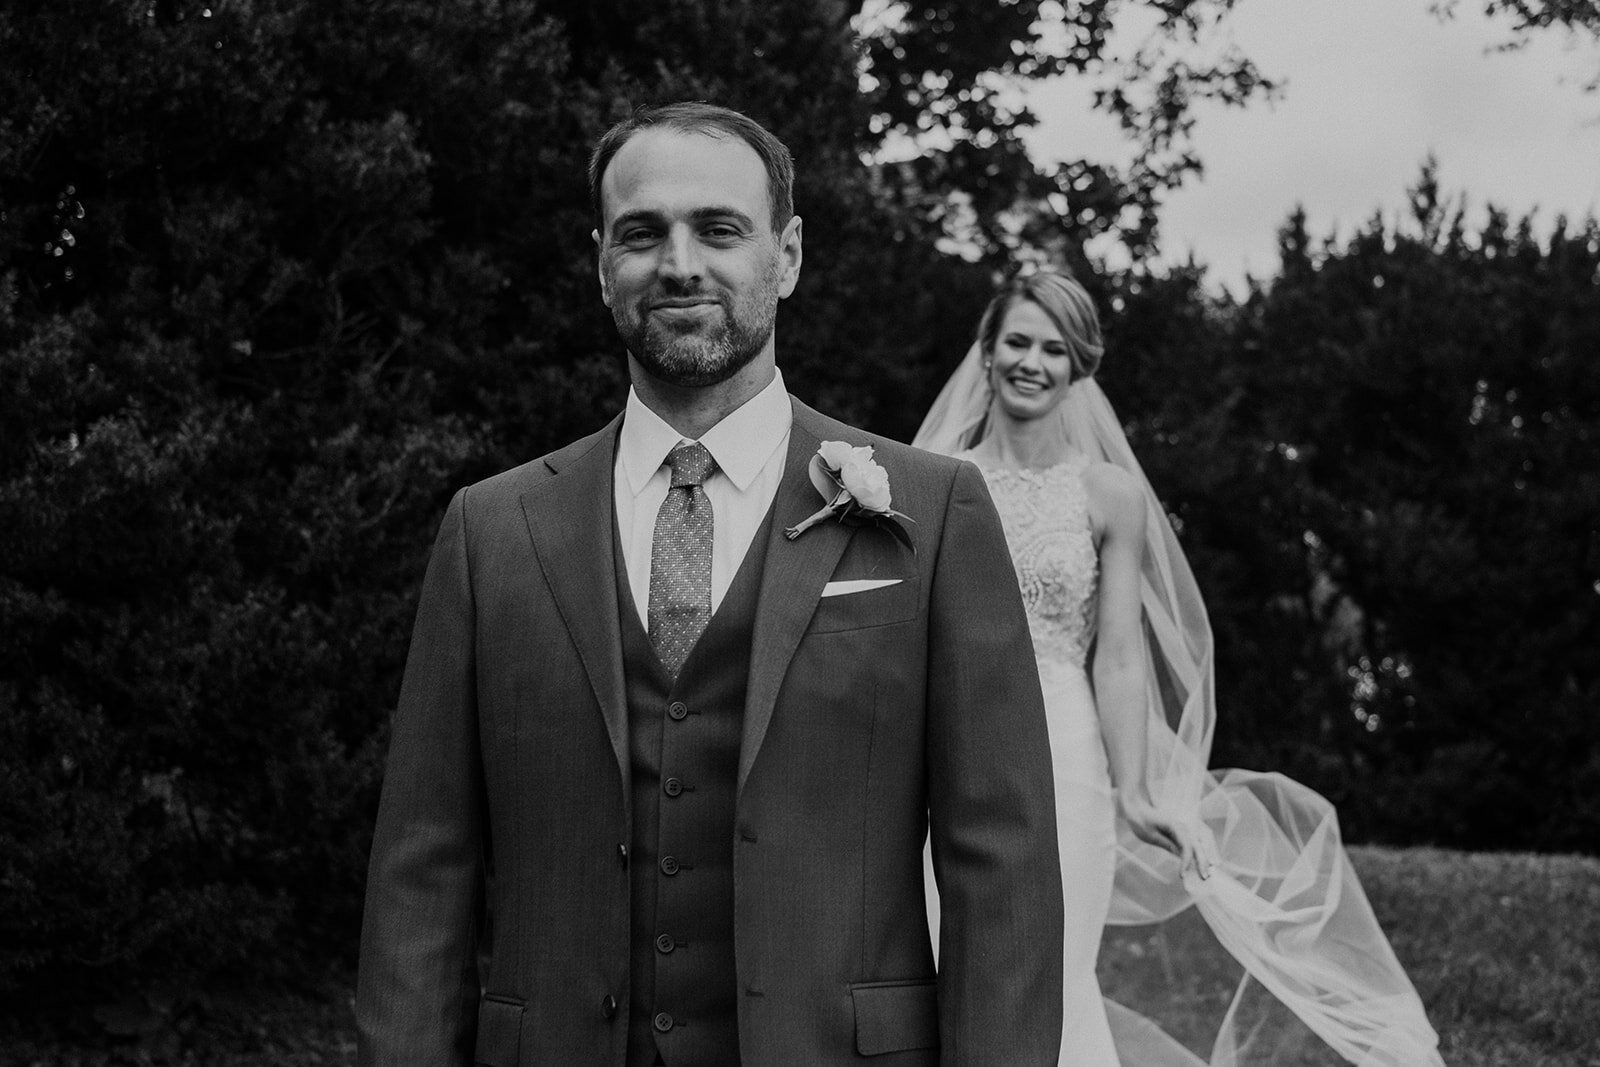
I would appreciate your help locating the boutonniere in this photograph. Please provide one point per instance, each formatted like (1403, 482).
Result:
(854, 489)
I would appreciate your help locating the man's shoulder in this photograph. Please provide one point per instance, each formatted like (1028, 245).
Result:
(888, 452)
(513, 483)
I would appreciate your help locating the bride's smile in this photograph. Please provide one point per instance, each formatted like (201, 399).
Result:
(1032, 362)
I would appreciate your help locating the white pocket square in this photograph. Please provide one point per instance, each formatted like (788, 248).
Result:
(858, 585)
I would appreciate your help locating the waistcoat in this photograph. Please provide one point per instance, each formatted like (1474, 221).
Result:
(684, 752)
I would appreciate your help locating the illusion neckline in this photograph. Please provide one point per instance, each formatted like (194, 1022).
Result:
(1073, 460)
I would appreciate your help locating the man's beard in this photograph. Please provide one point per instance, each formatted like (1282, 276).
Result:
(707, 354)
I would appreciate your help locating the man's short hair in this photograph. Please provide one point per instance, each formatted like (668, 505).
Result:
(696, 116)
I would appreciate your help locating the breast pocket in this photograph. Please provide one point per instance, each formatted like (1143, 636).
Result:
(882, 606)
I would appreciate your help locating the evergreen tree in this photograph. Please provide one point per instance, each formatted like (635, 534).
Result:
(1435, 387)
(275, 277)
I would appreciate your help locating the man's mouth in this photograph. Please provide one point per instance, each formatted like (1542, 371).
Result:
(682, 303)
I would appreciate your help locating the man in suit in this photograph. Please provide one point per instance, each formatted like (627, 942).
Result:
(660, 776)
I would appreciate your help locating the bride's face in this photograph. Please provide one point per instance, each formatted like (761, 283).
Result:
(1032, 363)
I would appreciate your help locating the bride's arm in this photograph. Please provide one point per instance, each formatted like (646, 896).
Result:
(1117, 510)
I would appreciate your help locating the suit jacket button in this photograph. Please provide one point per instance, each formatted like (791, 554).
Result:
(608, 1006)
(663, 1022)
(678, 710)
(622, 856)
(669, 865)
(672, 787)
(665, 943)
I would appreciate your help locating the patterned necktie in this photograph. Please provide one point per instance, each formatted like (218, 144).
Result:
(680, 559)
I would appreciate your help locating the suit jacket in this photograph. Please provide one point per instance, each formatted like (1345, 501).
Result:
(496, 926)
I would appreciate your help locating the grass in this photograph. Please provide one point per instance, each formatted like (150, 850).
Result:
(1504, 950)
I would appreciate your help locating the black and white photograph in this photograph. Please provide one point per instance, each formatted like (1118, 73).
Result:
(723, 534)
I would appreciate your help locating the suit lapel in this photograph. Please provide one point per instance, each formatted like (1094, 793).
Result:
(570, 518)
(791, 585)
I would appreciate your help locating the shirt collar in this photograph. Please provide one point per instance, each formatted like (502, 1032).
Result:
(741, 443)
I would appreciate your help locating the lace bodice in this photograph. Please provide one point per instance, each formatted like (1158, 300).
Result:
(1046, 518)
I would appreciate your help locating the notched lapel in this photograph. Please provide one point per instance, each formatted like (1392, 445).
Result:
(570, 519)
(791, 586)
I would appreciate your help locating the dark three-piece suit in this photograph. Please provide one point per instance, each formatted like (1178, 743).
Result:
(582, 859)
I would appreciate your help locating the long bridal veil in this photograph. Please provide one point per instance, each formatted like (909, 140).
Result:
(1284, 901)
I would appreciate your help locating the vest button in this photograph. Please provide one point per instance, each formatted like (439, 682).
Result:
(665, 943)
(662, 1021)
(672, 787)
(608, 1006)
(678, 710)
(622, 856)
(669, 865)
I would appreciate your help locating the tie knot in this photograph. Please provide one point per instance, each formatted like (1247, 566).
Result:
(691, 464)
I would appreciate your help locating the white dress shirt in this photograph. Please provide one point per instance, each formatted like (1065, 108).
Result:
(750, 445)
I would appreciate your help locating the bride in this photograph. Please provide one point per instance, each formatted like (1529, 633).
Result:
(1124, 655)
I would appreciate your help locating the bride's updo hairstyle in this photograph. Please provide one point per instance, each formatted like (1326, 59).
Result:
(1069, 306)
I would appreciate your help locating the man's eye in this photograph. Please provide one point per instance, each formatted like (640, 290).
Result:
(638, 235)
(721, 233)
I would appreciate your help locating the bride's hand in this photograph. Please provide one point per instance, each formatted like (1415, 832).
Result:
(1156, 827)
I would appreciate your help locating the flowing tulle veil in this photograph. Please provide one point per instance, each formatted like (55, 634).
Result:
(1284, 900)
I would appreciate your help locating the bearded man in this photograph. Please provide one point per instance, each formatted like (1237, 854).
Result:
(668, 747)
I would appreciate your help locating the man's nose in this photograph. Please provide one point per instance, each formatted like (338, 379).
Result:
(680, 256)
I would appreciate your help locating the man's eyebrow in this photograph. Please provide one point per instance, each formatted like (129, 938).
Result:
(636, 215)
(704, 214)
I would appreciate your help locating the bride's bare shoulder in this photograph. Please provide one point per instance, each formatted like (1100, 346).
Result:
(1115, 496)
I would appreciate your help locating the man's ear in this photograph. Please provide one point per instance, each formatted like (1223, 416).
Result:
(789, 256)
(600, 267)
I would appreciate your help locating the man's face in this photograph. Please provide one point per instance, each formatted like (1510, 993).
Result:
(689, 265)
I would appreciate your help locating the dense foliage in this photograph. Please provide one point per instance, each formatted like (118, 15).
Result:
(1386, 465)
(274, 277)
(277, 275)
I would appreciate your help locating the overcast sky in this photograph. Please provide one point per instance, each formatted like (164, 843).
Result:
(1372, 87)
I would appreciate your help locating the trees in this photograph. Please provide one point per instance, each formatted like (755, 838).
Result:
(1382, 467)
(274, 278)
(1529, 16)
(941, 84)
(227, 307)
(1431, 388)
(1529, 19)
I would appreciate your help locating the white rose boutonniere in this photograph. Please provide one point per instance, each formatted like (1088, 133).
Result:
(854, 489)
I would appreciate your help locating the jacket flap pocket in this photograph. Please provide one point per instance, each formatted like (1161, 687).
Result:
(499, 1032)
(895, 1016)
